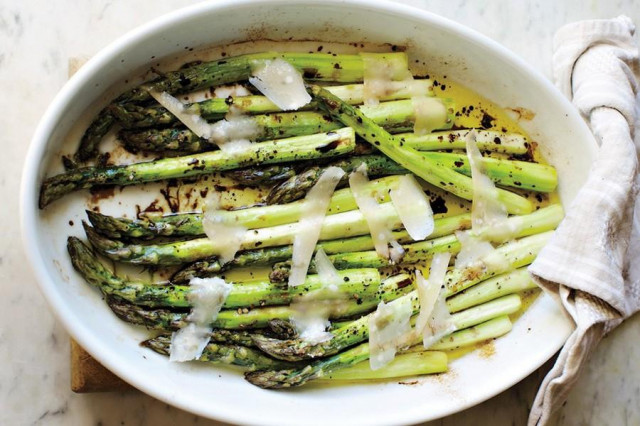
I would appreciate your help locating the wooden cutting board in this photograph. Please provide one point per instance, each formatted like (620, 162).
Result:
(88, 375)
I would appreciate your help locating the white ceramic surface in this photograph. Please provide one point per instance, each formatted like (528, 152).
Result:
(478, 62)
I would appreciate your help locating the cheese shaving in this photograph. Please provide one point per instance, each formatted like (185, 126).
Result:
(228, 236)
(388, 327)
(489, 218)
(429, 289)
(379, 73)
(235, 132)
(279, 81)
(194, 122)
(233, 90)
(326, 271)
(413, 207)
(312, 311)
(430, 113)
(232, 134)
(313, 212)
(440, 322)
(379, 229)
(207, 297)
(486, 209)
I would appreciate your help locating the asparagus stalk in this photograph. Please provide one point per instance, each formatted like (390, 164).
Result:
(216, 353)
(487, 140)
(358, 330)
(243, 319)
(512, 282)
(190, 224)
(517, 174)
(491, 329)
(406, 156)
(254, 176)
(314, 66)
(271, 379)
(404, 365)
(136, 116)
(537, 222)
(268, 256)
(323, 145)
(395, 116)
(359, 284)
(505, 258)
(346, 224)
(296, 186)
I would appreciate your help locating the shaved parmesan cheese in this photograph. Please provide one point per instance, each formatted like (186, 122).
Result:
(313, 212)
(327, 272)
(476, 252)
(312, 311)
(279, 81)
(367, 204)
(379, 73)
(232, 90)
(430, 113)
(486, 209)
(235, 132)
(413, 207)
(440, 323)
(227, 235)
(489, 218)
(311, 314)
(428, 290)
(207, 297)
(389, 326)
(194, 122)
(232, 134)
(473, 249)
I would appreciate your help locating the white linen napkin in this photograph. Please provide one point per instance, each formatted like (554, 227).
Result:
(592, 263)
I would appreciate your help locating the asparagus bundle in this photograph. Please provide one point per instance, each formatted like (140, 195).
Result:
(293, 150)
(314, 66)
(396, 116)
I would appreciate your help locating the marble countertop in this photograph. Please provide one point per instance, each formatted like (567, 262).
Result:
(38, 37)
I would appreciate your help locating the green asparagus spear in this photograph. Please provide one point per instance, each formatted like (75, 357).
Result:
(136, 116)
(297, 185)
(403, 365)
(314, 66)
(243, 319)
(216, 353)
(360, 284)
(268, 256)
(271, 379)
(491, 329)
(340, 227)
(512, 282)
(358, 330)
(254, 176)
(505, 258)
(517, 174)
(346, 224)
(409, 158)
(487, 140)
(395, 116)
(323, 145)
(537, 222)
(190, 224)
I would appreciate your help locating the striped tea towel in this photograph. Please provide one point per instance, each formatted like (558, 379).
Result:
(592, 264)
